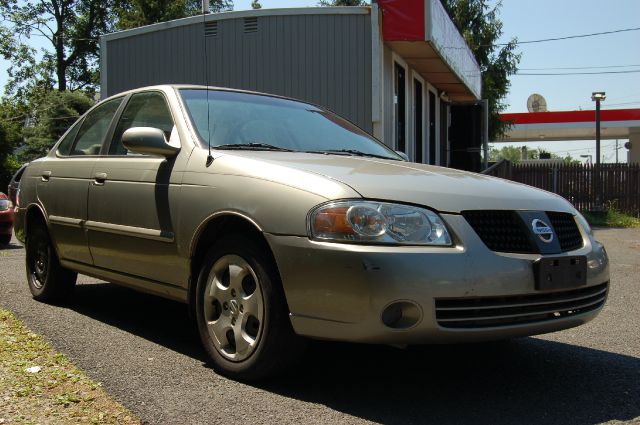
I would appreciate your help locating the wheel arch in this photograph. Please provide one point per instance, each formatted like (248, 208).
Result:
(216, 225)
(35, 212)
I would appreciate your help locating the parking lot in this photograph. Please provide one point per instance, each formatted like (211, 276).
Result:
(147, 355)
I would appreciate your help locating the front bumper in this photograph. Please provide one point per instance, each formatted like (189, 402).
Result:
(339, 291)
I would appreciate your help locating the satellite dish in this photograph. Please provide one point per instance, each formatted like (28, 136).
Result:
(536, 103)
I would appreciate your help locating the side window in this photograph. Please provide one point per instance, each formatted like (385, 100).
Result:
(143, 110)
(94, 128)
(64, 148)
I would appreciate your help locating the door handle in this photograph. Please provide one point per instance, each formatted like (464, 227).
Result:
(46, 175)
(99, 178)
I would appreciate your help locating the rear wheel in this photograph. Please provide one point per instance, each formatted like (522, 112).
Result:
(241, 313)
(48, 280)
(5, 239)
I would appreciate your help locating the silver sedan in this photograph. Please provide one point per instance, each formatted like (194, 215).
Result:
(277, 221)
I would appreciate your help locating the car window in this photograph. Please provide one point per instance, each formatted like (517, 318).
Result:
(227, 117)
(148, 109)
(94, 127)
(64, 147)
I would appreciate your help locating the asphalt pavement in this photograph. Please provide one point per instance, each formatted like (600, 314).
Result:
(147, 355)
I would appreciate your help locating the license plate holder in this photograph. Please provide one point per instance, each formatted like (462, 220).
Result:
(560, 272)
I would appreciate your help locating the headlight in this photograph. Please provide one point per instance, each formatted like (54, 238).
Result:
(377, 222)
(5, 204)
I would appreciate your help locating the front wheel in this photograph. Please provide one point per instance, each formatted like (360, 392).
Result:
(48, 280)
(241, 312)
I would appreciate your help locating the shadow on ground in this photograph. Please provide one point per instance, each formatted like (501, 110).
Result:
(524, 381)
(12, 246)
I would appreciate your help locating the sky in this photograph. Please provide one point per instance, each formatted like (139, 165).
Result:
(540, 19)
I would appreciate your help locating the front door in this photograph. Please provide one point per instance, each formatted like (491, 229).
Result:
(65, 179)
(133, 200)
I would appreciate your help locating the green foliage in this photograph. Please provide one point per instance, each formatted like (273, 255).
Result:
(72, 28)
(10, 138)
(255, 4)
(137, 13)
(52, 118)
(510, 153)
(514, 154)
(611, 218)
(481, 27)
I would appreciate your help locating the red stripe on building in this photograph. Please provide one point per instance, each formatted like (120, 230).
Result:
(402, 20)
(571, 116)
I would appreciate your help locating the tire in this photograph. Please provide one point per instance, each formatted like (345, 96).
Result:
(48, 280)
(241, 312)
(5, 240)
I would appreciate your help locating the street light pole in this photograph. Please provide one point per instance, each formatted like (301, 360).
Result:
(598, 97)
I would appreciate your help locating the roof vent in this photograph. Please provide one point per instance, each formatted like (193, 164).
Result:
(211, 29)
(250, 25)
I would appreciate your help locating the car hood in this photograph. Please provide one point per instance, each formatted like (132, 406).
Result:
(444, 189)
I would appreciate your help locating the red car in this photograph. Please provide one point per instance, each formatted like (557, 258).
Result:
(6, 219)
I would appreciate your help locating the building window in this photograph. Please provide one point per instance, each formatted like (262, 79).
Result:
(432, 128)
(418, 122)
(400, 97)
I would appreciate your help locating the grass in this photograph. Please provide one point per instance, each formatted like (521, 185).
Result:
(611, 218)
(38, 385)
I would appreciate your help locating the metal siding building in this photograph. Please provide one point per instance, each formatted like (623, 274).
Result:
(320, 58)
(388, 68)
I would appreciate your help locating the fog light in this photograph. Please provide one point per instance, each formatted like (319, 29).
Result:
(401, 315)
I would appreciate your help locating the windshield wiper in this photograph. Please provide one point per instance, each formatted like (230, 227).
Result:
(354, 152)
(252, 146)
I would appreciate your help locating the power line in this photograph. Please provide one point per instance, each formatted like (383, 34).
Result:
(632, 71)
(620, 104)
(578, 67)
(568, 37)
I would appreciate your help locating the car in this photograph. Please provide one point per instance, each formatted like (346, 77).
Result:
(6, 219)
(14, 184)
(276, 221)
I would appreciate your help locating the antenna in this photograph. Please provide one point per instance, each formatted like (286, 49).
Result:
(205, 10)
(536, 103)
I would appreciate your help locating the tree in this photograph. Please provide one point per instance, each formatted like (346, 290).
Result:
(71, 27)
(137, 13)
(343, 3)
(55, 115)
(514, 154)
(481, 28)
(510, 153)
(9, 139)
(255, 4)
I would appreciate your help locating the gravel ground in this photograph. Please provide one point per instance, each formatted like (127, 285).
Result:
(145, 352)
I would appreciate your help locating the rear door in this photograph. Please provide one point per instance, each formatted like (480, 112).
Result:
(133, 200)
(65, 179)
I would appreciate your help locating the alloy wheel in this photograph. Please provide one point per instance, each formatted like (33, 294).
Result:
(233, 307)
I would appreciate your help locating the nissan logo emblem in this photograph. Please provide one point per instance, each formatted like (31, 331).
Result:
(543, 230)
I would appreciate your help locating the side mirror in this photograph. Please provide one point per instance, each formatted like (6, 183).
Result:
(403, 155)
(148, 141)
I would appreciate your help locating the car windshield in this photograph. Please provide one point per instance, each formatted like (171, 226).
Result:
(238, 120)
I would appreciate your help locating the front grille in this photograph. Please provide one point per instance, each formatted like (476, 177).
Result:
(501, 231)
(505, 231)
(491, 312)
(567, 230)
